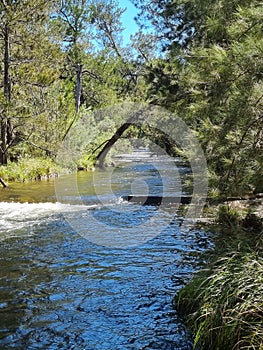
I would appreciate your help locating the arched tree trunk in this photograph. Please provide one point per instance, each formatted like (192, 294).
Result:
(103, 153)
(158, 137)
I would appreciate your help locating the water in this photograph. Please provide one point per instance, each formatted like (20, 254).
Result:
(59, 290)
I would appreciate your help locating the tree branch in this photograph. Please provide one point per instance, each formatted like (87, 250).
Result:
(39, 147)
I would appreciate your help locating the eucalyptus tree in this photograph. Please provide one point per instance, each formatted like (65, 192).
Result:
(109, 27)
(89, 28)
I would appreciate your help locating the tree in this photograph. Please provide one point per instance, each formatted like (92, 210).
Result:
(106, 19)
(215, 48)
(181, 24)
(90, 37)
(73, 19)
(108, 36)
(24, 48)
(233, 100)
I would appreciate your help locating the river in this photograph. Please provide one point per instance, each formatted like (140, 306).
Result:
(80, 269)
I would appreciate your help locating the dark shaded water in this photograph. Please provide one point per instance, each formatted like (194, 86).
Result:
(59, 290)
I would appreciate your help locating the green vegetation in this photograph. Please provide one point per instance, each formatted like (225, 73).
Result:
(212, 78)
(222, 303)
(63, 60)
(59, 60)
(231, 221)
(29, 169)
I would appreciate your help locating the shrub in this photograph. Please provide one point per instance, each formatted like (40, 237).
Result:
(28, 169)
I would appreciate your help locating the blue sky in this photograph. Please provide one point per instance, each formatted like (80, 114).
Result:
(128, 19)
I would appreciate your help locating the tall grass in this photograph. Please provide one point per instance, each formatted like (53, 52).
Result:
(223, 303)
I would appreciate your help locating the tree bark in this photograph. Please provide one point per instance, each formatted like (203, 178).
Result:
(5, 124)
(136, 119)
(3, 148)
(78, 86)
(7, 82)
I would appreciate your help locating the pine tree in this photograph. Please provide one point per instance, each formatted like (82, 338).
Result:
(216, 50)
(26, 66)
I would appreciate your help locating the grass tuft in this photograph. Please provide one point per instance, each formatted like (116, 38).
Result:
(223, 305)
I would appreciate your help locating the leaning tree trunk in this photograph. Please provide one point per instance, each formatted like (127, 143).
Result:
(103, 153)
(137, 118)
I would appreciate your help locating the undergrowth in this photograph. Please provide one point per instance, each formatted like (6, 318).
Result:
(29, 169)
(223, 303)
(232, 221)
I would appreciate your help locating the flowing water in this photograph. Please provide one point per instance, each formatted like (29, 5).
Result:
(74, 272)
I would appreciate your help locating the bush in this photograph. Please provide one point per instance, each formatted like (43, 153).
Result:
(252, 222)
(222, 304)
(29, 169)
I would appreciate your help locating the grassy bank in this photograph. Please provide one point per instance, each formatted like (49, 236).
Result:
(223, 303)
(29, 169)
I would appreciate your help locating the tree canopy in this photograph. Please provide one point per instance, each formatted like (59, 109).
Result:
(62, 61)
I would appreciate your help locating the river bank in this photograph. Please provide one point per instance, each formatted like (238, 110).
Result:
(29, 169)
(32, 169)
(222, 303)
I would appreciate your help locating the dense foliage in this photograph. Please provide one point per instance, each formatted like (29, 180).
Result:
(62, 60)
(214, 54)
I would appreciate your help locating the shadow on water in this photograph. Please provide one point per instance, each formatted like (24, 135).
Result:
(61, 291)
